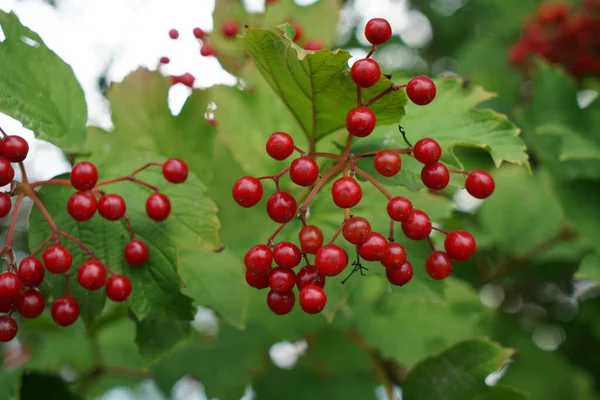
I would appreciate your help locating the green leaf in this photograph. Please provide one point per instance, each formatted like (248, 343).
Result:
(459, 373)
(159, 336)
(589, 268)
(35, 386)
(9, 382)
(316, 86)
(38, 88)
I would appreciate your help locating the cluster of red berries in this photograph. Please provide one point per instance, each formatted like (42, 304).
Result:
(561, 35)
(329, 258)
(19, 285)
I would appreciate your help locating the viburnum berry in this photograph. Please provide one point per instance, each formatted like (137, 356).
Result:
(65, 310)
(395, 257)
(7, 172)
(378, 31)
(480, 184)
(92, 275)
(84, 176)
(7, 304)
(136, 253)
(282, 280)
(259, 258)
(435, 176)
(112, 207)
(8, 328)
(258, 280)
(313, 44)
(360, 121)
(175, 170)
(82, 206)
(281, 207)
(57, 259)
(304, 171)
(14, 148)
(247, 191)
(399, 275)
(346, 192)
(31, 271)
(312, 299)
(281, 303)
(10, 285)
(387, 163)
(287, 255)
(173, 34)
(374, 248)
(230, 29)
(427, 151)
(165, 60)
(417, 226)
(280, 146)
(421, 90)
(158, 207)
(311, 239)
(207, 50)
(438, 265)
(298, 30)
(399, 208)
(309, 275)
(365, 72)
(31, 303)
(460, 245)
(5, 205)
(331, 260)
(356, 230)
(186, 79)
(118, 288)
(198, 33)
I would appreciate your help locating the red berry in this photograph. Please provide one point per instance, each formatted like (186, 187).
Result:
(230, 29)
(14, 148)
(378, 31)
(118, 288)
(312, 299)
(8, 328)
(57, 259)
(460, 245)
(65, 310)
(7, 172)
(175, 170)
(136, 253)
(427, 151)
(313, 45)
(287, 255)
(259, 258)
(84, 176)
(346, 192)
(374, 248)
(399, 274)
(331, 260)
(421, 90)
(480, 184)
(417, 226)
(112, 207)
(258, 281)
(281, 207)
(438, 265)
(356, 230)
(199, 33)
(158, 207)
(395, 257)
(92, 275)
(207, 50)
(10, 285)
(309, 275)
(304, 171)
(31, 271)
(298, 30)
(82, 206)
(5, 205)
(365, 73)
(435, 176)
(280, 146)
(173, 34)
(7, 304)
(387, 163)
(31, 303)
(282, 280)
(281, 303)
(360, 121)
(247, 191)
(165, 60)
(399, 208)
(186, 79)
(311, 239)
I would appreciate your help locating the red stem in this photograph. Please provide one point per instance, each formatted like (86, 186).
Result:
(44, 243)
(270, 242)
(358, 95)
(79, 243)
(13, 224)
(324, 155)
(374, 182)
(391, 236)
(456, 171)
(371, 52)
(339, 230)
(128, 178)
(56, 182)
(23, 173)
(333, 171)
(431, 243)
(4, 134)
(439, 230)
(380, 95)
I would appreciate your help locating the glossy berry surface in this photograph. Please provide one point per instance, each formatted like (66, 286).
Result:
(287, 255)
(173, 34)
(480, 184)
(259, 258)
(65, 310)
(175, 170)
(365, 72)
(346, 192)
(247, 191)
(399, 275)
(31, 271)
(84, 176)
(331, 260)
(427, 151)
(258, 281)
(281, 207)
(356, 230)
(280, 146)
(118, 288)
(8, 328)
(311, 239)
(92, 275)
(14, 148)
(438, 265)
(112, 207)
(309, 275)
(136, 253)
(312, 299)
(82, 206)
(360, 121)
(417, 226)
(435, 176)
(7, 304)
(460, 245)
(10, 285)
(165, 60)
(387, 163)
(378, 31)
(158, 207)
(198, 33)
(230, 29)
(395, 257)
(281, 303)
(399, 208)
(5, 205)
(7, 172)
(31, 303)
(374, 248)
(304, 171)
(313, 44)
(57, 259)
(282, 280)
(421, 90)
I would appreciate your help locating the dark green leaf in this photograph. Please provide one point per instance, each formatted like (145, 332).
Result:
(35, 386)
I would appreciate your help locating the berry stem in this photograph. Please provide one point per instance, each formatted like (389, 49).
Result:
(382, 94)
(457, 171)
(13, 224)
(430, 243)
(391, 235)
(270, 242)
(4, 134)
(130, 178)
(347, 147)
(439, 230)
(324, 155)
(55, 182)
(23, 173)
(374, 182)
(276, 176)
(371, 52)
(358, 95)
(29, 192)
(151, 164)
(373, 153)
(333, 171)
(339, 230)
(79, 243)
(41, 246)
(99, 193)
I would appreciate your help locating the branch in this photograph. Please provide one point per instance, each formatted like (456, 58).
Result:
(374, 182)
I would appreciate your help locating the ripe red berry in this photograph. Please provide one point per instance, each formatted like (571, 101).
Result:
(435, 176)
(5, 205)
(7, 304)
(460, 245)
(31, 271)
(331, 260)
(365, 72)
(92, 275)
(57, 259)
(173, 34)
(309, 275)
(374, 248)
(82, 206)
(230, 29)
(14, 148)
(31, 303)
(112, 207)
(247, 191)
(346, 192)
(281, 207)
(360, 121)
(8, 328)
(281, 303)
(158, 207)
(417, 226)
(259, 258)
(399, 274)
(175, 170)
(313, 44)
(287, 255)
(438, 265)
(280, 146)
(282, 280)
(136, 253)
(84, 176)
(311, 239)
(65, 310)
(7, 172)
(199, 33)
(427, 151)
(186, 79)
(10, 285)
(304, 171)
(480, 184)
(298, 30)
(258, 281)
(387, 163)
(312, 299)
(378, 31)
(118, 288)
(421, 90)
(399, 208)
(356, 230)
(207, 50)
(395, 257)
(165, 60)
